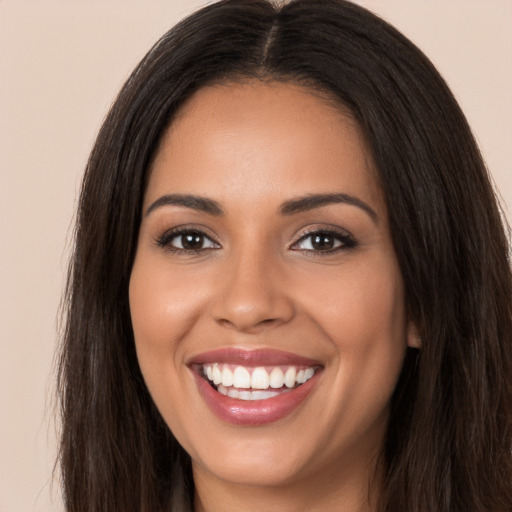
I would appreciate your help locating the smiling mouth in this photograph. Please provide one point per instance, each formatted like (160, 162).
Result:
(254, 387)
(255, 383)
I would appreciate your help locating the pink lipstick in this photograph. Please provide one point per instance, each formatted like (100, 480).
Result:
(254, 387)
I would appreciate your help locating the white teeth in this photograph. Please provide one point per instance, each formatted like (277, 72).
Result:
(289, 377)
(300, 377)
(276, 378)
(263, 395)
(227, 377)
(246, 395)
(233, 393)
(259, 378)
(230, 382)
(216, 374)
(241, 378)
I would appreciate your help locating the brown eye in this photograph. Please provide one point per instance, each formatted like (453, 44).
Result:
(324, 242)
(189, 241)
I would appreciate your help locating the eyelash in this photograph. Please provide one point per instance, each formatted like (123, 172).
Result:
(165, 240)
(345, 240)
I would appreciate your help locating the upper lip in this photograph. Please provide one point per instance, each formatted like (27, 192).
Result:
(254, 357)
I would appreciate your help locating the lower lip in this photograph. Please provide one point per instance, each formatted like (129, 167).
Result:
(254, 412)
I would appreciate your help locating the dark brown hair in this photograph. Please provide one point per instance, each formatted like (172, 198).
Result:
(449, 440)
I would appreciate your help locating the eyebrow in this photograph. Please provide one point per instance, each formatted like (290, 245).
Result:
(291, 207)
(313, 201)
(199, 203)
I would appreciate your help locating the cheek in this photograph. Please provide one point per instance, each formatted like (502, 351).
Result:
(163, 305)
(162, 312)
(363, 303)
(164, 308)
(363, 315)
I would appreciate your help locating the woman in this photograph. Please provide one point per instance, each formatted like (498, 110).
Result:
(290, 287)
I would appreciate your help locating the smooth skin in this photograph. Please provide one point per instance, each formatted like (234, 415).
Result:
(321, 281)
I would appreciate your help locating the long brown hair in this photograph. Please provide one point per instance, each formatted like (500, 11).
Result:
(449, 440)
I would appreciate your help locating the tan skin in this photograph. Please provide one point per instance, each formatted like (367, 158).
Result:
(255, 279)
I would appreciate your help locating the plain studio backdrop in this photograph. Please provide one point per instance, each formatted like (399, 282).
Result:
(61, 65)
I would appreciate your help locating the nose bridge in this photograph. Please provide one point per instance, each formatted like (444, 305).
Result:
(252, 294)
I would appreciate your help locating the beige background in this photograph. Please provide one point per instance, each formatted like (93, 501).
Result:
(61, 63)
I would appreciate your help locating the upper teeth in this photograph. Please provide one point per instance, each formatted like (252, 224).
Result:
(256, 378)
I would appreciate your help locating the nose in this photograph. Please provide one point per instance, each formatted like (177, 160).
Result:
(252, 295)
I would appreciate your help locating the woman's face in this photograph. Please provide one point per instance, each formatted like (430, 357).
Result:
(266, 299)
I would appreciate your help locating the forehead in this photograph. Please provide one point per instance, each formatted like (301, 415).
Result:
(246, 139)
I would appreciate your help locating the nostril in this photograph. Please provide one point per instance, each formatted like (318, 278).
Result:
(249, 323)
(241, 324)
